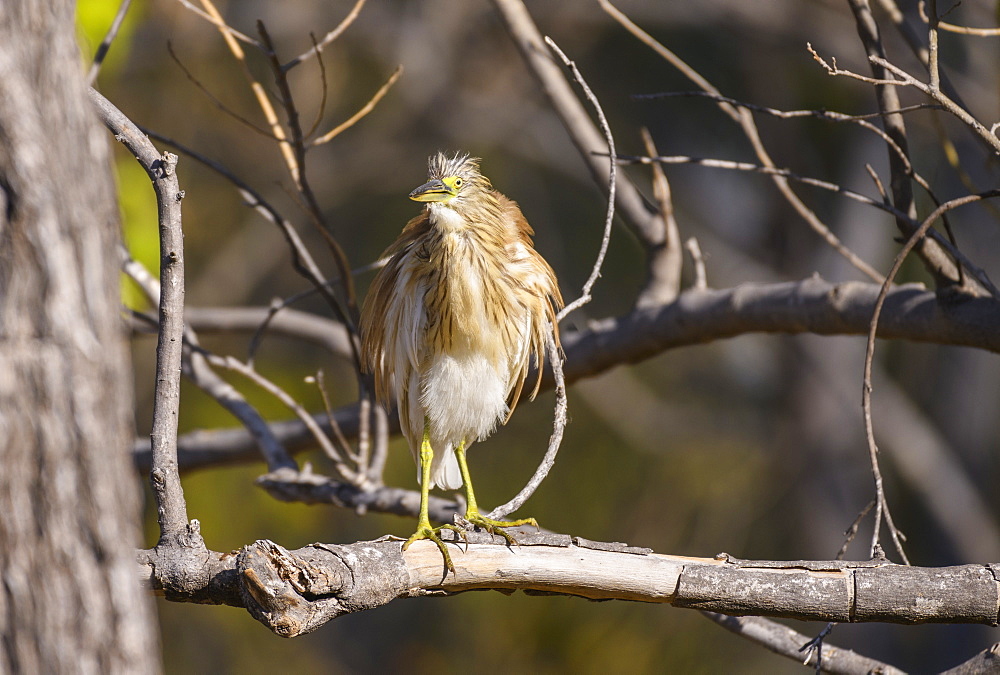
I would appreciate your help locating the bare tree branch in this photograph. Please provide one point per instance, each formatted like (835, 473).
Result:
(196, 367)
(294, 592)
(329, 37)
(787, 642)
(102, 49)
(171, 508)
(745, 120)
(639, 214)
(952, 28)
(910, 312)
(364, 110)
(881, 506)
(986, 661)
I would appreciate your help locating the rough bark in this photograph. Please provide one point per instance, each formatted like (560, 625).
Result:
(295, 592)
(69, 507)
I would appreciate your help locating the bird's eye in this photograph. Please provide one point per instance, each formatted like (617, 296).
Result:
(458, 182)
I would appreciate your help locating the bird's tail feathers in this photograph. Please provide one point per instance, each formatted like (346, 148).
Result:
(445, 472)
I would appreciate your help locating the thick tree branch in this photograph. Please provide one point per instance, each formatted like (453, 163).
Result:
(294, 592)
(809, 306)
(699, 316)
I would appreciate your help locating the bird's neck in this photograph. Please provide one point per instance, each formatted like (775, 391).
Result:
(447, 219)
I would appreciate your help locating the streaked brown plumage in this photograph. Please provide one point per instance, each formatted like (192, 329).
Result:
(451, 324)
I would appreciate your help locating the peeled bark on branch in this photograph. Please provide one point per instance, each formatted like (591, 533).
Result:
(294, 592)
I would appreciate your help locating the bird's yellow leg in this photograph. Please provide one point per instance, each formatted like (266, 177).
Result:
(424, 529)
(472, 513)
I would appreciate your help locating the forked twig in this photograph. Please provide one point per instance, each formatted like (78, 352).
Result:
(902, 78)
(235, 365)
(328, 38)
(746, 122)
(200, 373)
(952, 28)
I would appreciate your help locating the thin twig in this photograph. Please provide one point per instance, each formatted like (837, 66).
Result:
(830, 115)
(852, 531)
(213, 98)
(554, 354)
(879, 187)
(595, 273)
(325, 91)
(216, 20)
(200, 373)
(815, 648)
(365, 109)
(102, 49)
(700, 278)
(952, 28)
(746, 122)
(320, 380)
(767, 170)
(328, 38)
(881, 505)
(276, 306)
(235, 365)
(555, 440)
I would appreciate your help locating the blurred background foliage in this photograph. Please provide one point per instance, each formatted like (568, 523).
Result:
(753, 445)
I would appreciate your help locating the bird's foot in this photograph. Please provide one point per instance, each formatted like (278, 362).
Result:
(425, 531)
(497, 526)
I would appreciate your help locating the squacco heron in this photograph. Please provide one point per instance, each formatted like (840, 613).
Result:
(451, 325)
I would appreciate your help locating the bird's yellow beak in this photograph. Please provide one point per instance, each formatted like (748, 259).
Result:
(437, 190)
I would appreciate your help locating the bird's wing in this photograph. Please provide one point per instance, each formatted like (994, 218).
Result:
(537, 285)
(377, 326)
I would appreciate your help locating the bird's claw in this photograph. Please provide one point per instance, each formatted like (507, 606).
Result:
(497, 526)
(425, 531)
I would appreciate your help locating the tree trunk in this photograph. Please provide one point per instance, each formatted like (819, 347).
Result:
(69, 504)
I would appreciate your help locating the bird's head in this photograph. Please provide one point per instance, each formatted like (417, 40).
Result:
(453, 180)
